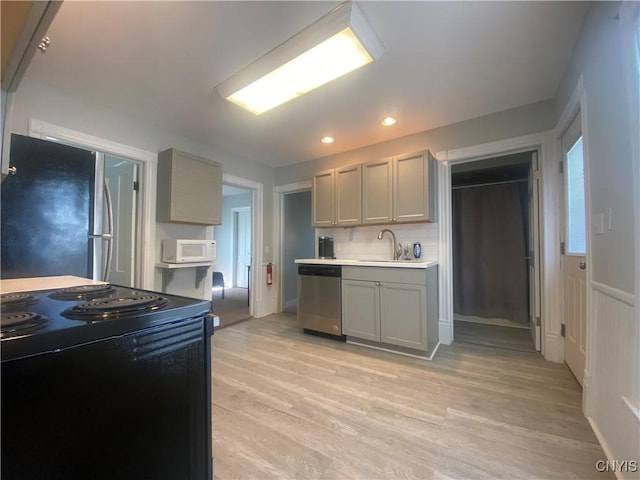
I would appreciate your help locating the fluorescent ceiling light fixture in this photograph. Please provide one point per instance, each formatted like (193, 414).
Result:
(327, 140)
(334, 45)
(388, 121)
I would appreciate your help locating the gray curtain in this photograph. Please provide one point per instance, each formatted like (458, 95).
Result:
(490, 232)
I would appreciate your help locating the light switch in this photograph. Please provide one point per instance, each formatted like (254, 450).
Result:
(597, 225)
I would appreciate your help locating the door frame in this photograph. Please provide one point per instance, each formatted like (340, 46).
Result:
(278, 233)
(577, 105)
(101, 158)
(234, 237)
(550, 339)
(147, 175)
(257, 306)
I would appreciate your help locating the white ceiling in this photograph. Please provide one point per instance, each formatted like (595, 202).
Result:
(444, 62)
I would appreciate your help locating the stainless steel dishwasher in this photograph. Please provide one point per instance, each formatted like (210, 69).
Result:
(319, 299)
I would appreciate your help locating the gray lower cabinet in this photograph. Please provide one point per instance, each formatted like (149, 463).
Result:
(394, 307)
(403, 308)
(360, 309)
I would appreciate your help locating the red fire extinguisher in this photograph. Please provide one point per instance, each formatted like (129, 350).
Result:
(269, 274)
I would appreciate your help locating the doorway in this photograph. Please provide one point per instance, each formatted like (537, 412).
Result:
(298, 237)
(242, 246)
(232, 272)
(121, 180)
(495, 243)
(574, 248)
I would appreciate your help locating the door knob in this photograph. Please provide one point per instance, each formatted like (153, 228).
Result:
(582, 265)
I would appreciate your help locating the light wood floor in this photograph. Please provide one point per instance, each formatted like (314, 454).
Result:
(233, 308)
(288, 405)
(493, 336)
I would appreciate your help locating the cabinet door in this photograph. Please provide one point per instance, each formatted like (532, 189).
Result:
(349, 195)
(377, 192)
(360, 309)
(189, 189)
(403, 316)
(411, 192)
(322, 198)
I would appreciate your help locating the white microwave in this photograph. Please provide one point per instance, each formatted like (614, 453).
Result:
(188, 251)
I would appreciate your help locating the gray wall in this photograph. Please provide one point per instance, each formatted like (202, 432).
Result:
(223, 234)
(599, 57)
(612, 373)
(298, 241)
(532, 118)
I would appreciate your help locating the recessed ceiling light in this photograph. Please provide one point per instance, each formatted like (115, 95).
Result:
(327, 139)
(387, 121)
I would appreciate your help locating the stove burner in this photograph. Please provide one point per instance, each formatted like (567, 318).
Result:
(15, 300)
(83, 292)
(20, 322)
(112, 308)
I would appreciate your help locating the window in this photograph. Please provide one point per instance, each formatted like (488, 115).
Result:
(576, 224)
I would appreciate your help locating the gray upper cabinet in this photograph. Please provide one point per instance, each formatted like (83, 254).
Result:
(377, 191)
(337, 197)
(24, 26)
(400, 189)
(323, 198)
(189, 189)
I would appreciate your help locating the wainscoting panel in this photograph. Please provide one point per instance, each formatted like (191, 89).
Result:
(613, 371)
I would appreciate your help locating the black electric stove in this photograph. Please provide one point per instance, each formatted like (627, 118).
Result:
(41, 321)
(105, 382)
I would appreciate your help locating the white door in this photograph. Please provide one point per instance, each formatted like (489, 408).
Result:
(574, 251)
(243, 246)
(120, 175)
(535, 303)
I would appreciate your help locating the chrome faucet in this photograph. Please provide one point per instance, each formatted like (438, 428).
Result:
(397, 251)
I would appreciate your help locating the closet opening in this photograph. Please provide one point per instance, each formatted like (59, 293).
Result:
(496, 301)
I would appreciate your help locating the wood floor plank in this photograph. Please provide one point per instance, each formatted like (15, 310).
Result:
(288, 405)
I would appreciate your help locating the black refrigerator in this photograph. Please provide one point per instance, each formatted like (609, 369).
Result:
(49, 223)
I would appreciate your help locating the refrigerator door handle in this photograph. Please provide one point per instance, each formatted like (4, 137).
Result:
(108, 235)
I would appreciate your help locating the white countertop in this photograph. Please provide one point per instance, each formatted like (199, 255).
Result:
(366, 263)
(44, 283)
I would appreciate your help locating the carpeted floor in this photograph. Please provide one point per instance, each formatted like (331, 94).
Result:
(234, 308)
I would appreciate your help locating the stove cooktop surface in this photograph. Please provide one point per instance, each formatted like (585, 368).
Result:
(47, 320)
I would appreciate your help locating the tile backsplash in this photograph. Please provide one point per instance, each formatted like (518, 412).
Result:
(362, 242)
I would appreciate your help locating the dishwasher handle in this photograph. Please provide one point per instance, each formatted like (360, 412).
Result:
(320, 270)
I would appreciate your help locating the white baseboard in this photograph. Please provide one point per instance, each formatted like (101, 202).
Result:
(587, 403)
(603, 444)
(444, 332)
(397, 352)
(554, 348)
